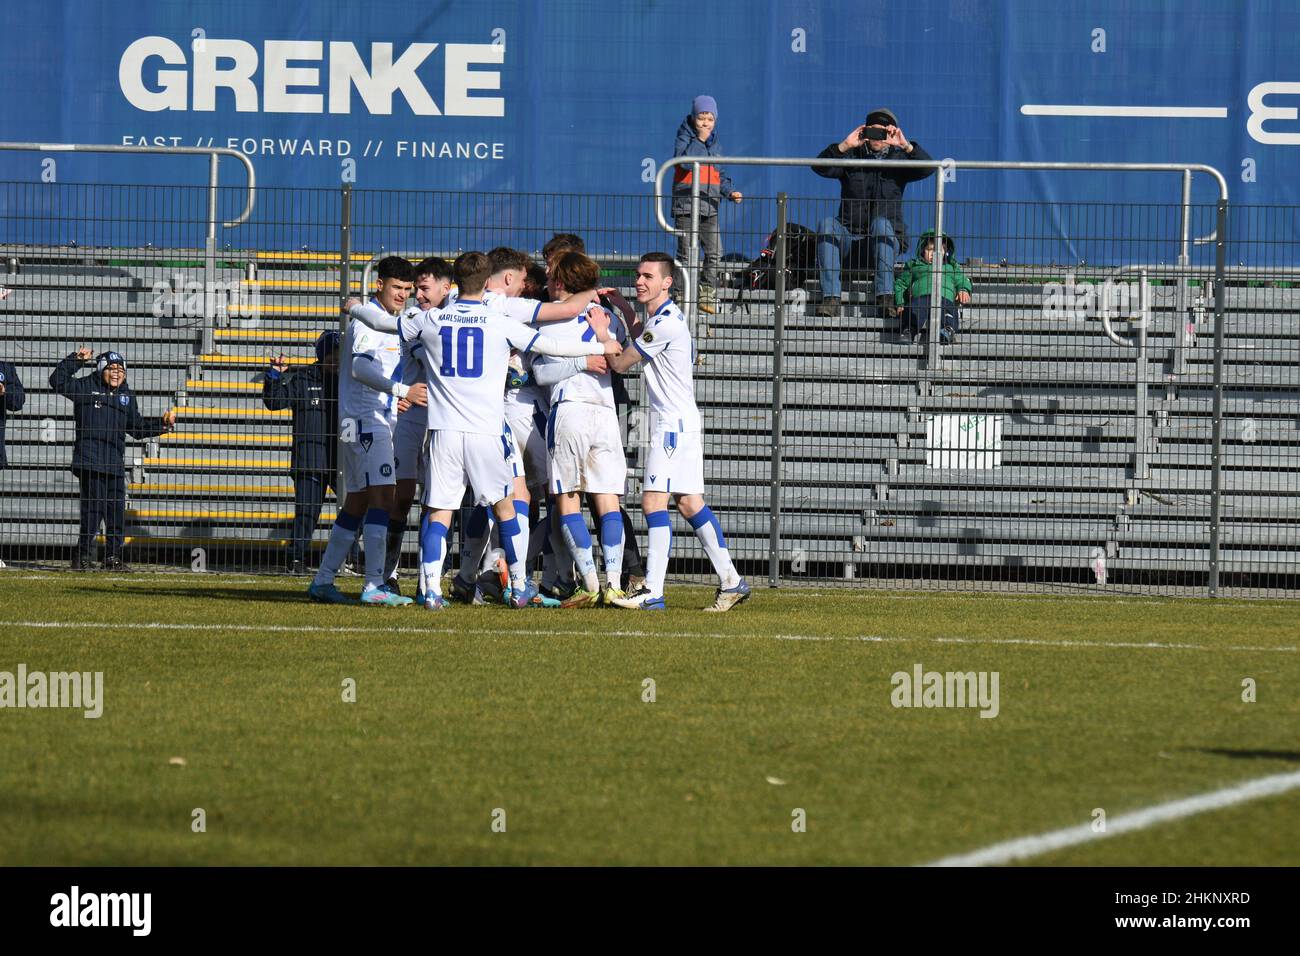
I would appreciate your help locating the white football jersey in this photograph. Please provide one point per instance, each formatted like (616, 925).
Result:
(585, 386)
(525, 311)
(413, 369)
(466, 350)
(668, 367)
(360, 401)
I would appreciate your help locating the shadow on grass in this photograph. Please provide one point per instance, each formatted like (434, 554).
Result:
(1291, 756)
(289, 593)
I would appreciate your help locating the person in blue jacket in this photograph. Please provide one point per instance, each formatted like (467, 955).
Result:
(697, 136)
(312, 394)
(105, 412)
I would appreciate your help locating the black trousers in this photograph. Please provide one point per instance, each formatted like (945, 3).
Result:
(103, 501)
(308, 498)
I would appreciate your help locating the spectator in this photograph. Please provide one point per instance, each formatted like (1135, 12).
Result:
(871, 205)
(312, 394)
(11, 400)
(105, 412)
(698, 136)
(913, 286)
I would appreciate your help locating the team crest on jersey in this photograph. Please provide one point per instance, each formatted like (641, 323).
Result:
(647, 337)
(385, 469)
(122, 399)
(2, 376)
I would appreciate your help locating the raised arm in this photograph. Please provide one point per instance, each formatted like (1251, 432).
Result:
(565, 308)
(62, 380)
(372, 316)
(275, 387)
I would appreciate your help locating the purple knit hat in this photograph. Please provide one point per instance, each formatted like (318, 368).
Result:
(704, 104)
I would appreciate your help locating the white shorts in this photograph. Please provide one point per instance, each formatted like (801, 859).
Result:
(674, 463)
(408, 448)
(456, 459)
(530, 440)
(585, 450)
(368, 461)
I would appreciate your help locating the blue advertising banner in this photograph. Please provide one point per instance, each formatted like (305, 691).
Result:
(584, 96)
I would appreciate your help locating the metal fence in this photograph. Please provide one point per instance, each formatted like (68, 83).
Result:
(1067, 437)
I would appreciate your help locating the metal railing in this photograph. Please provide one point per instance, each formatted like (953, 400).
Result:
(934, 350)
(832, 448)
(214, 154)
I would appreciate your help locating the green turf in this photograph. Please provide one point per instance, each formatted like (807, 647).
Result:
(540, 713)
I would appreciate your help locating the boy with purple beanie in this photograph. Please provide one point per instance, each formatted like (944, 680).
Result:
(697, 136)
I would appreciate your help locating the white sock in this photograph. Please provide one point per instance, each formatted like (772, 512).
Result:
(374, 537)
(660, 538)
(709, 531)
(342, 536)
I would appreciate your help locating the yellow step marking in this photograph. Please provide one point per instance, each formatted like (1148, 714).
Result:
(232, 465)
(321, 284)
(189, 411)
(265, 334)
(234, 543)
(357, 257)
(211, 515)
(221, 437)
(210, 489)
(199, 385)
(309, 310)
(215, 359)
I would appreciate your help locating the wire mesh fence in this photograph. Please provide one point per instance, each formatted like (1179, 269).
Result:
(1058, 430)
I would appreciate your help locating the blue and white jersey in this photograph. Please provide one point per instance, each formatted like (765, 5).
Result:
(413, 369)
(669, 370)
(360, 401)
(585, 386)
(525, 311)
(466, 350)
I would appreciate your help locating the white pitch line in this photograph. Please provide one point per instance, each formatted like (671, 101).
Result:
(552, 632)
(1031, 846)
(1151, 112)
(1035, 642)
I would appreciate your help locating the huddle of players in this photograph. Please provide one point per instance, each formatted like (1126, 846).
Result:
(421, 398)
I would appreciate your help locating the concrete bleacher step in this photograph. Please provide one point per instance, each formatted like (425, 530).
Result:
(1022, 528)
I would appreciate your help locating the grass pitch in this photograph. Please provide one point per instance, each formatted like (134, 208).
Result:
(537, 719)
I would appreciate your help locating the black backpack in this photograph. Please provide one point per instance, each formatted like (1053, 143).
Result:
(800, 260)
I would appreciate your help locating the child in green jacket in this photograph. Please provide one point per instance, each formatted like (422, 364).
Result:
(912, 290)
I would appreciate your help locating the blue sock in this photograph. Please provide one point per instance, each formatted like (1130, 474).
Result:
(574, 530)
(474, 542)
(611, 546)
(514, 542)
(433, 537)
